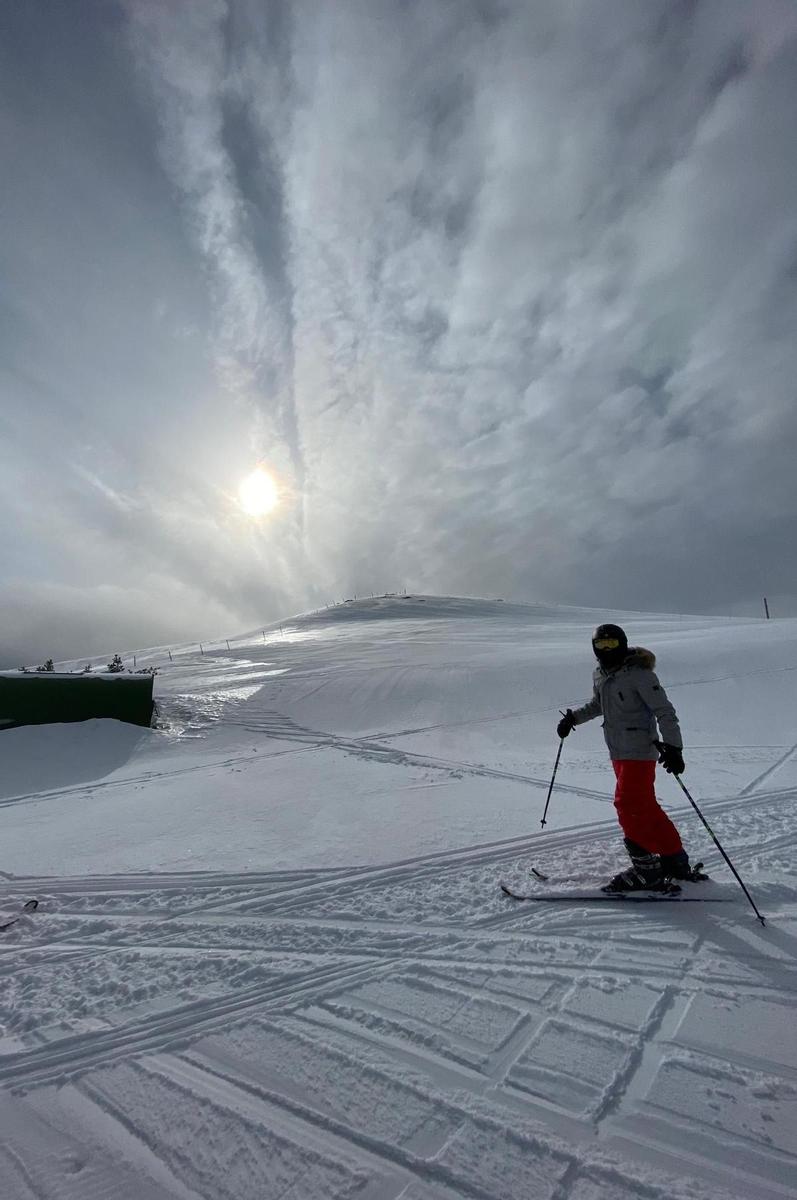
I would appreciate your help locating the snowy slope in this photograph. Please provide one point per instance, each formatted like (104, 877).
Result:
(272, 959)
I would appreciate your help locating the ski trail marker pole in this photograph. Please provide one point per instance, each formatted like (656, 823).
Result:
(713, 837)
(555, 769)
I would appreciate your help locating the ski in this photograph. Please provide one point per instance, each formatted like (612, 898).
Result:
(28, 907)
(699, 876)
(675, 896)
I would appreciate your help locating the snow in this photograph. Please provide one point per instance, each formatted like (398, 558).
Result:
(272, 960)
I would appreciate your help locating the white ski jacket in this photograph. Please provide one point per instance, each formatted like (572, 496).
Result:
(632, 702)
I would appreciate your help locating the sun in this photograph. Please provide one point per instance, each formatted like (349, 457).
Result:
(258, 493)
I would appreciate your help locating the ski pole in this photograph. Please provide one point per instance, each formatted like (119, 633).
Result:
(555, 769)
(715, 840)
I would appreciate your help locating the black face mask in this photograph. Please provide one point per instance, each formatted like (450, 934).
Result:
(609, 659)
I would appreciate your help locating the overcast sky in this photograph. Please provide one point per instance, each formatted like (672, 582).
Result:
(504, 293)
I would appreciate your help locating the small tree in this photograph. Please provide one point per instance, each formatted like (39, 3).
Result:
(47, 666)
(116, 665)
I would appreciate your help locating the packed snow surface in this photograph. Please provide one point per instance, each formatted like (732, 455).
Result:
(272, 959)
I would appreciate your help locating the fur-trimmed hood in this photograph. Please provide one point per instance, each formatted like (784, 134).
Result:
(638, 656)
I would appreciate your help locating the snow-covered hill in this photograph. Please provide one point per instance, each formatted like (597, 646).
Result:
(272, 958)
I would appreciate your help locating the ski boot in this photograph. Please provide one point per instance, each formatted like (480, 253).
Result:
(677, 866)
(644, 874)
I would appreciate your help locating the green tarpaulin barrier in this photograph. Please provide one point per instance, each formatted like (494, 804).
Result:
(42, 698)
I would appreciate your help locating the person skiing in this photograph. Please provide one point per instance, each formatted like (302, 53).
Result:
(629, 697)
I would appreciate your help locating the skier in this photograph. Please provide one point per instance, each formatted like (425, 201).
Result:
(629, 697)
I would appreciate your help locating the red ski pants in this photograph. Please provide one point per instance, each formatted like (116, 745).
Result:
(641, 818)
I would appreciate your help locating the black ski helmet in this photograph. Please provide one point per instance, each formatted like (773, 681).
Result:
(610, 655)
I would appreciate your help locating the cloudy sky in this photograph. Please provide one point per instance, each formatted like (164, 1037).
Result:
(503, 293)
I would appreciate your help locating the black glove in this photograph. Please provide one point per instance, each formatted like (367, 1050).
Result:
(567, 723)
(672, 759)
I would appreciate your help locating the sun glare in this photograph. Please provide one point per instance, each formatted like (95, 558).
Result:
(258, 493)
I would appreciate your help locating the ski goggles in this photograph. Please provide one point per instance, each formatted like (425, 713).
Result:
(606, 643)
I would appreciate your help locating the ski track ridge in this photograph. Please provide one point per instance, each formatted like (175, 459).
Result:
(750, 788)
(77, 1053)
(339, 884)
(275, 899)
(385, 1153)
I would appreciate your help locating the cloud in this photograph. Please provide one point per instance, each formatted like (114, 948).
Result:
(504, 293)
(613, 192)
(44, 620)
(210, 147)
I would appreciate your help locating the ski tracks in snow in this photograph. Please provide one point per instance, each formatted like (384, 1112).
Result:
(404, 1032)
